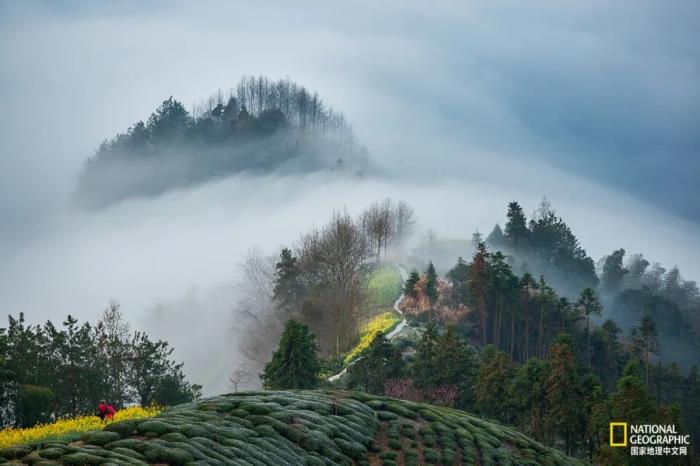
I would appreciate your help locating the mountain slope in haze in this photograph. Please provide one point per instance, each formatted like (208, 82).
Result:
(263, 127)
(305, 427)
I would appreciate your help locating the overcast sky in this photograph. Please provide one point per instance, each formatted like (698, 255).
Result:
(468, 104)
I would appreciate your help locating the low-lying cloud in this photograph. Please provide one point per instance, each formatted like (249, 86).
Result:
(465, 107)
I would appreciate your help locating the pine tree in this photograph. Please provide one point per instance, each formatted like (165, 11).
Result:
(454, 364)
(477, 239)
(563, 394)
(610, 333)
(645, 343)
(528, 395)
(409, 286)
(478, 284)
(288, 290)
(431, 284)
(425, 357)
(492, 384)
(496, 239)
(516, 232)
(588, 305)
(295, 363)
(630, 402)
(459, 276)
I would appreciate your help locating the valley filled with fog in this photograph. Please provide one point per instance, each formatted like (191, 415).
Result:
(451, 138)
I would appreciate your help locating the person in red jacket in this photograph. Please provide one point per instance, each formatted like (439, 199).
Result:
(105, 410)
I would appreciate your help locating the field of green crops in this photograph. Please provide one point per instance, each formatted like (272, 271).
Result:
(384, 287)
(277, 428)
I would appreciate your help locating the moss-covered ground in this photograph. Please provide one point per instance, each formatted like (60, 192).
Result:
(312, 427)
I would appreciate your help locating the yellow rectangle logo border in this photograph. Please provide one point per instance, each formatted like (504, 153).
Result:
(612, 437)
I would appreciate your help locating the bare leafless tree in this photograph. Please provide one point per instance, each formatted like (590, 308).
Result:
(114, 335)
(239, 377)
(261, 321)
(335, 258)
(404, 221)
(378, 224)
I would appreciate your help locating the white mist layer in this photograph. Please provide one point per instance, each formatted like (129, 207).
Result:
(172, 261)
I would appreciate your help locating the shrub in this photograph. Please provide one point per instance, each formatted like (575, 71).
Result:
(430, 456)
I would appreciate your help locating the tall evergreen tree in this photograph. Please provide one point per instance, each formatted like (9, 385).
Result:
(528, 394)
(516, 232)
(645, 342)
(610, 333)
(288, 290)
(459, 276)
(431, 288)
(492, 382)
(588, 304)
(496, 239)
(409, 286)
(563, 394)
(425, 358)
(478, 285)
(295, 363)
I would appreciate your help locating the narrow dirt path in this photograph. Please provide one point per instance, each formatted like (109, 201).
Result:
(390, 335)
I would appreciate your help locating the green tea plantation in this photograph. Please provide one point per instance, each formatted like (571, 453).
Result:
(314, 427)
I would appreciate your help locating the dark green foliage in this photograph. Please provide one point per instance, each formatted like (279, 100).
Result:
(409, 286)
(496, 239)
(430, 456)
(34, 404)
(381, 363)
(445, 360)
(645, 342)
(516, 234)
(288, 291)
(66, 371)
(260, 129)
(295, 363)
(431, 283)
(613, 272)
(588, 305)
(100, 438)
(459, 276)
(492, 384)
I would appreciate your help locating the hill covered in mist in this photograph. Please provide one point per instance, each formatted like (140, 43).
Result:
(260, 128)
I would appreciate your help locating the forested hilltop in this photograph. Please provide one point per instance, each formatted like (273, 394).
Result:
(261, 127)
(492, 334)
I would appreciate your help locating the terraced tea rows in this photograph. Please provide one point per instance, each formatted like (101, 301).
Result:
(297, 428)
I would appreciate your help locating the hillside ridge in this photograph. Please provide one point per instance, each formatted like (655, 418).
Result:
(304, 427)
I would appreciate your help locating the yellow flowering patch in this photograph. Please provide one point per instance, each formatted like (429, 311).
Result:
(63, 427)
(381, 323)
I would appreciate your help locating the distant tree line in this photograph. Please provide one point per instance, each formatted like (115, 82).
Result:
(49, 371)
(545, 245)
(260, 127)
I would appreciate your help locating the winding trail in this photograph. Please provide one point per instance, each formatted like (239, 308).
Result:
(390, 335)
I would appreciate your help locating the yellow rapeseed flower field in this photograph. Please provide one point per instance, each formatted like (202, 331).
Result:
(381, 323)
(63, 427)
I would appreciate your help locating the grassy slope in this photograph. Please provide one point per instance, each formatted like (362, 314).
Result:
(384, 287)
(296, 428)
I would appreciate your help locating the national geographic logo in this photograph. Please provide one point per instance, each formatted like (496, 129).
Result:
(649, 439)
(618, 434)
